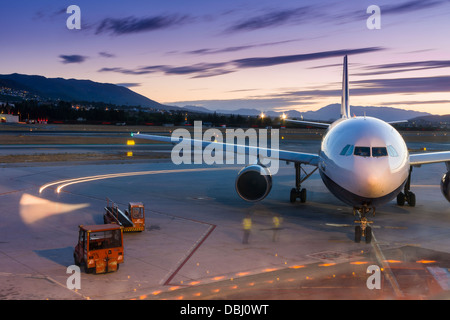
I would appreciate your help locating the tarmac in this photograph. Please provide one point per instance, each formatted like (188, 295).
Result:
(192, 247)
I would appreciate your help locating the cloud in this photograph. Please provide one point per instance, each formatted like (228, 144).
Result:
(274, 19)
(405, 85)
(206, 51)
(318, 14)
(203, 70)
(137, 71)
(415, 102)
(409, 6)
(270, 61)
(381, 87)
(341, 17)
(75, 58)
(49, 15)
(135, 25)
(200, 70)
(406, 66)
(105, 54)
(129, 84)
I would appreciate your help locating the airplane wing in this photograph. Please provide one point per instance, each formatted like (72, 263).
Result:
(310, 123)
(284, 155)
(418, 159)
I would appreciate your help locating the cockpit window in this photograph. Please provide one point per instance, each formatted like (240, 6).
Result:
(392, 152)
(379, 152)
(344, 151)
(362, 151)
(366, 151)
(350, 151)
(347, 151)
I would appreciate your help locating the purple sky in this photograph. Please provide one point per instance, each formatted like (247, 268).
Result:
(267, 55)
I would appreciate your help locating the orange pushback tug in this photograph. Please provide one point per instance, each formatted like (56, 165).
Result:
(99, 248)
(131, 220)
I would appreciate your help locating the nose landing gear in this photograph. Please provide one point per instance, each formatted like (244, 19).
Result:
(364, 229)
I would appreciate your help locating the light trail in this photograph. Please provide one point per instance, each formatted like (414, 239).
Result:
(33, 208)
(64, 183)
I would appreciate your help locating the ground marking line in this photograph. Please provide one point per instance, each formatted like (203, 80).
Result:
(385, 264)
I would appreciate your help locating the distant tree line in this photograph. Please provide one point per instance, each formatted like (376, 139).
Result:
(98, 112)
(103, 113)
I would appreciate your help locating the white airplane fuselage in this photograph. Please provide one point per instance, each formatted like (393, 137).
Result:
(363, 161)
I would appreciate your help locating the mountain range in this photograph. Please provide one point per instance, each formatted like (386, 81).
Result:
(77, 90)
(90, 91)
(328, 113)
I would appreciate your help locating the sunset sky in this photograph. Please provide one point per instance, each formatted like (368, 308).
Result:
(266, 55)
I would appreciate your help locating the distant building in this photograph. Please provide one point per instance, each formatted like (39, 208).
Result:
(9, 118)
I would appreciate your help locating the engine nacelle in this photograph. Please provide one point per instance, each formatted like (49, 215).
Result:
(445, 186)
(253, 186)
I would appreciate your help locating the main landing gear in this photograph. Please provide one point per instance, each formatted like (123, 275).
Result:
(407, 195)
(298, 192)
(364, 229)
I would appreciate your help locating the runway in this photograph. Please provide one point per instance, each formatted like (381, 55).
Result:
(192, 246)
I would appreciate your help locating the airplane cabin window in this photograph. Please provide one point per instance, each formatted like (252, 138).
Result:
(362, 151)
(379, 152)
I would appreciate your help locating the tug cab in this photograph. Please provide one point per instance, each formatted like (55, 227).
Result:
(99, 248)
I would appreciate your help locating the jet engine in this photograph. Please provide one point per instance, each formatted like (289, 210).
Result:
(253, 183)
(445, 186)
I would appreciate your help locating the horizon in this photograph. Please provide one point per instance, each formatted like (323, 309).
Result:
(252, 55)
(253, 111)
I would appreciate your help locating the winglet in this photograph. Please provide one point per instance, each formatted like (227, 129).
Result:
(345, 107)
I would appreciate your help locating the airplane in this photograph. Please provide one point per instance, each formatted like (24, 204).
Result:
(363, 161)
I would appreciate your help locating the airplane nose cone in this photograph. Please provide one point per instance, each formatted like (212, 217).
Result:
(372, 182)
(371, 185)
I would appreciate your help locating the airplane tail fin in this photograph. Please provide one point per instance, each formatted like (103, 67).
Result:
(345, 106)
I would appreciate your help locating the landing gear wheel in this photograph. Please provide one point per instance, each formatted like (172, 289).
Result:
(401, 199)
(407, 196)
(358, 233)
(368, 234)
(303, 195)
(411, 199)
(293, 195)
(298, 194)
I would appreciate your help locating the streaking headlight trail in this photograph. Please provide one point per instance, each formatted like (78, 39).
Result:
(64, 183)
